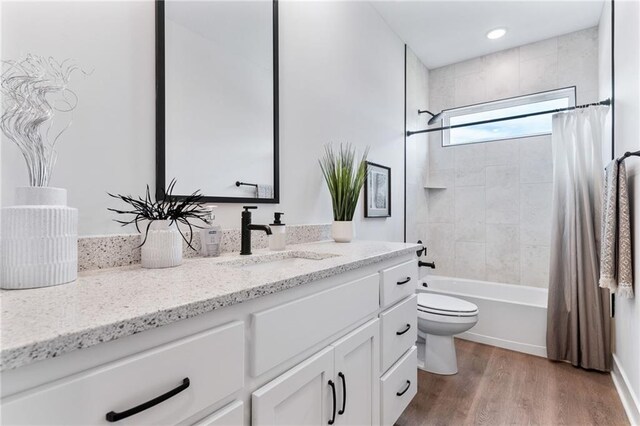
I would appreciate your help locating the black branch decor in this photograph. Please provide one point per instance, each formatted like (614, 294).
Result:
(181, 211)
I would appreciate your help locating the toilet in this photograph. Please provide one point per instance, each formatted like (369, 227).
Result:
(439, 319)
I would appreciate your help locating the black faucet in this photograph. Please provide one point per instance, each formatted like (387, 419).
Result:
(247, 227)
(423, 252)
(431, 265)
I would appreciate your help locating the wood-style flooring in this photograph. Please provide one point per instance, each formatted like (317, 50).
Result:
(500, 387)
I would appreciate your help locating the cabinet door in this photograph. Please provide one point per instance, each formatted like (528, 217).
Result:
(357, 366)
(301, 396)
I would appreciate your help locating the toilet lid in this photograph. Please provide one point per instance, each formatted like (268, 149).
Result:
(445, 305)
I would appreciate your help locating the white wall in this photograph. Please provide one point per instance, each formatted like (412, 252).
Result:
(341, 80)
(110, 145)
(627, 138)
(493, 221)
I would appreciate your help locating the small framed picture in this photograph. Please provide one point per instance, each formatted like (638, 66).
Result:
(377, 191)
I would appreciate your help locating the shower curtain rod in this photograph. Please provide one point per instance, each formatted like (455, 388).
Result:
(513, 117)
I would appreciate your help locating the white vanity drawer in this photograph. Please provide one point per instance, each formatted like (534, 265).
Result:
(398, 387)
(398, 282)
(229, 415)
(213, 362)
(284, 331)
(399, 330)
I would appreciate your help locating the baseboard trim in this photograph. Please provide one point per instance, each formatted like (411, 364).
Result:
(526, 348)
(629, 399)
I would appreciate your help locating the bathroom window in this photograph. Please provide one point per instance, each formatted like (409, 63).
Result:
(508, 129)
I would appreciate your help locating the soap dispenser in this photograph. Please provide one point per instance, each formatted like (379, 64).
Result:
(210, 236)
(278, 237)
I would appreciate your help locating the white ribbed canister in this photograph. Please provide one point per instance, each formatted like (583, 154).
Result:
(38, 239)
(163, 248)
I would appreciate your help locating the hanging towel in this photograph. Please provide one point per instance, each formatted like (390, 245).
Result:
(264, 191)
(616, 272)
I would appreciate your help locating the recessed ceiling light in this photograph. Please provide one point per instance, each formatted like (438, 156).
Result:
(497, 33)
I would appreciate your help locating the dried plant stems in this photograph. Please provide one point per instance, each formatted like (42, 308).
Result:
(33, 91)
(344, 178)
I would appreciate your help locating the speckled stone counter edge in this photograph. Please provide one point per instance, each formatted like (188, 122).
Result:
(111, 251)
(15, 357)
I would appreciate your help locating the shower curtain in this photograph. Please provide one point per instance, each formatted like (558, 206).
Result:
(578, 323)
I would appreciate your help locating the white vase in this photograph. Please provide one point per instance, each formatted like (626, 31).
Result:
(163, 248)
(38, 240)
(342, 231)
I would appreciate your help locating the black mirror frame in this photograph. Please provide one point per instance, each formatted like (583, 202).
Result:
(161, 111)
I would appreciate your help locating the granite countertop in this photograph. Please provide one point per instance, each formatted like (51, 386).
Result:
(107, 304)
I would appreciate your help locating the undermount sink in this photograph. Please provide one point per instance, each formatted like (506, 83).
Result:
(276, 261)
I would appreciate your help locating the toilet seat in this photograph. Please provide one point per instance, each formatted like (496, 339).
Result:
(438, 304)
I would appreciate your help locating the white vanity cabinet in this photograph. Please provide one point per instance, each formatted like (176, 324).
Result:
(301, 396)
(232, 414)
(336, 350)
(398, 319)
(122, 391)
(339, 385)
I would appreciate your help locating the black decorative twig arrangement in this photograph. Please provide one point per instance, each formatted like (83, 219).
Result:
(181, 211)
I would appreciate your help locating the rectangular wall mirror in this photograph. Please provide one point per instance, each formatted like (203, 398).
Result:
(217, 99)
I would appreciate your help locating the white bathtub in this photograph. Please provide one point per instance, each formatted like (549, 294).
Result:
(510, 316)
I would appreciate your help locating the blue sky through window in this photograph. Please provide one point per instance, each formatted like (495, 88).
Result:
(508, 129)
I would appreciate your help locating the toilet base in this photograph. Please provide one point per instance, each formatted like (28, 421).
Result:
(438, 355)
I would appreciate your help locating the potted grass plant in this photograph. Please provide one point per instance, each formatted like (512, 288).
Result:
(160, 236)
(345, 177)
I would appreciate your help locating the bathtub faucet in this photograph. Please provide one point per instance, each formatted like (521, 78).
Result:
(431, 265)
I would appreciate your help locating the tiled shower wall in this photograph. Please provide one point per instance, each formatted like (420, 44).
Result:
(493, 220)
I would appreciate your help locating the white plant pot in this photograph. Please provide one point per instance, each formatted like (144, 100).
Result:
(342, 231)
(163, 248)
(38, 239)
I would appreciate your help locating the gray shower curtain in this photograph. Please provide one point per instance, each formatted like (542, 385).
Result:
(578, 324)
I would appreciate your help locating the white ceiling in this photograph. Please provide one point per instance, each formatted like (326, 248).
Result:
(445, 32)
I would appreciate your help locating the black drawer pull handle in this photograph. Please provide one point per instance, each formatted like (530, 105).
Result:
(404, 281)
(112, 416)
(405, 389)
(344, 393)
(400, 333)
(333, 392)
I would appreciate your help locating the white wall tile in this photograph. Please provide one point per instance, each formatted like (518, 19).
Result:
(538, 49)
(534, 265)
(536, 162)
(502, 70)
(579, 70)
(470, 89)
(470, 260)
(440, 158)
(502, 175)
(539, 74)
(500, 153)
(469, 164)
(535, 213)
(502, 195)
(442, 178)
(470, 213)
(579, 41)
(441, 248)
(503, 254)
(441, 205)
(498, 201)
(470, 66)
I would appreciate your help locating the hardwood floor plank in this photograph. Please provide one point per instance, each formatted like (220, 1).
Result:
(496, 386)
